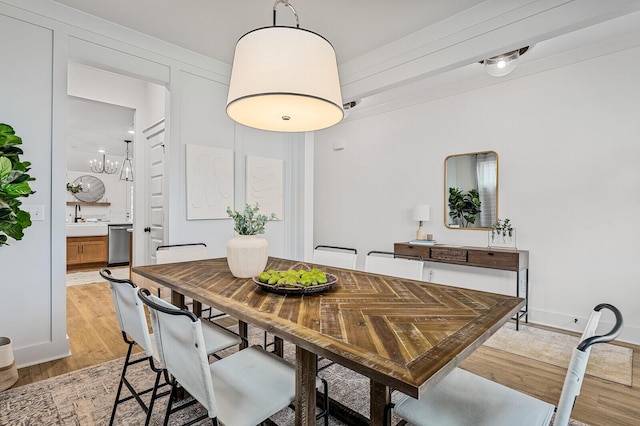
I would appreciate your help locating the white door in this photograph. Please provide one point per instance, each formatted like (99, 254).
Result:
(155, 182)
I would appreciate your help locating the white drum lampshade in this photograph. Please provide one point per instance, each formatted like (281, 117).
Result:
(284, 79)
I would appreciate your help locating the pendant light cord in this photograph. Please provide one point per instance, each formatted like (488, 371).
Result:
(286, 3)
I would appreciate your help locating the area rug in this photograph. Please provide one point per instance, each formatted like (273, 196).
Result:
(90, 277)
(607, 361)
(85, 397)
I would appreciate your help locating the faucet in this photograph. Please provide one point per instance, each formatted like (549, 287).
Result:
(76, 217)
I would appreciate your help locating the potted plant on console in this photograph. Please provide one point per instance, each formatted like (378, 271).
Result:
(247, 254)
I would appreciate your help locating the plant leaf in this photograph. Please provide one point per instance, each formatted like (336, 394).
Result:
(5, 168)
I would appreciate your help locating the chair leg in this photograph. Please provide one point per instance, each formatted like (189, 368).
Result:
(172, 396)
(387, 413)
(154, 396)
(325, 405)
(124, 371)
(134, 393)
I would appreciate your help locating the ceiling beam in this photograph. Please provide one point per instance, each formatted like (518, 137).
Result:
(487, 30)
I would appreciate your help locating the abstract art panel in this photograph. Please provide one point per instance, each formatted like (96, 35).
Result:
(264, 184)
(209, 182)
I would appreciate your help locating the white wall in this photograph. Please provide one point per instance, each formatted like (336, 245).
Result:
(567, 141)
(44, 37)
(28, 312)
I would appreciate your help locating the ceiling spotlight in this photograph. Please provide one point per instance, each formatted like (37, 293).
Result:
(501, 65)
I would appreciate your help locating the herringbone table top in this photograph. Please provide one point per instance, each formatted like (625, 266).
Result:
(402, 333)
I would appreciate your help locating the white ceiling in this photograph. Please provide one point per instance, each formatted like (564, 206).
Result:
(359, 30)
(93, 126)
(212, 27)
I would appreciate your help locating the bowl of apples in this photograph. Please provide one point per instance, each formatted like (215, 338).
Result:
(303, 280)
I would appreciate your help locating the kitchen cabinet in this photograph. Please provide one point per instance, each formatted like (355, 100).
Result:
(82, 251)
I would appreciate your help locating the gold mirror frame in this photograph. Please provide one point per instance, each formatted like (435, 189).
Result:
(454, 164)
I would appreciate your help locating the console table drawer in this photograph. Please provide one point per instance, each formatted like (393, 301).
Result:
(494, 259)
(452, 254)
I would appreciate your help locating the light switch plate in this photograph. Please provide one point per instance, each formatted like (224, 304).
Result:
(36, 212)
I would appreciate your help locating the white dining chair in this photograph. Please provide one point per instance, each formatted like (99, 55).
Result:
(339, 257)
(242, 389)
(394, 264)
(133, 325)
(173, 253)
(463, 398)
(181, 252)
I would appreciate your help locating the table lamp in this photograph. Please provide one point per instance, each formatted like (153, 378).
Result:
(421, 213)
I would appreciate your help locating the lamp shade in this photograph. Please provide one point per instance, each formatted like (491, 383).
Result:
(420, 212)
(284, 79)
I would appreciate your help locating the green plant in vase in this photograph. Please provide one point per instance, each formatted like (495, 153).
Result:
(501, 228)
(74, 189)
(250, 222)
(247, 254)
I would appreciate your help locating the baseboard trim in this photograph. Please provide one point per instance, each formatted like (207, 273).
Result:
(630, 334)
(37, 354)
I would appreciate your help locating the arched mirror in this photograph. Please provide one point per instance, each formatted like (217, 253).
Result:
(471, 190)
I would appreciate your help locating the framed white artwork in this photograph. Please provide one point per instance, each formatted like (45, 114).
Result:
(264, 184)
(209, 182)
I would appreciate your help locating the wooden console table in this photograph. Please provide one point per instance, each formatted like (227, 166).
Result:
(503, 259)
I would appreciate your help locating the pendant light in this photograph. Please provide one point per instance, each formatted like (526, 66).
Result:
(284, 79)
(126, 173)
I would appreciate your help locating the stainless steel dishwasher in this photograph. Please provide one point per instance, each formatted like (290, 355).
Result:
(118, 244)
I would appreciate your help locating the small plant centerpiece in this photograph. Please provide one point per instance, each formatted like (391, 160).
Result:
(463, 207)
(247, 254)
(14, 183)
(502, 233)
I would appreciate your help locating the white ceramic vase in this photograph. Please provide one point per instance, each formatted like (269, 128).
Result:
(247, 255)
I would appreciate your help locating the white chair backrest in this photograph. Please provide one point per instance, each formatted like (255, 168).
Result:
(579, 359)
(181, 348)
(130, 312)
(394, 266)
(181, 253)
(339, 257)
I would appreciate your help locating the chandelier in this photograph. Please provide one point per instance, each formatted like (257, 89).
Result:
(105, 166)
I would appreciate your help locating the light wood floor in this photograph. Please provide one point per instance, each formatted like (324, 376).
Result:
(95, 338)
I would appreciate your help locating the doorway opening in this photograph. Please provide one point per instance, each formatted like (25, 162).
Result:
(106, 150)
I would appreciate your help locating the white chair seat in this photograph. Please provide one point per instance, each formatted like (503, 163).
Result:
(251, 385)
(217, 338)
(448, 404)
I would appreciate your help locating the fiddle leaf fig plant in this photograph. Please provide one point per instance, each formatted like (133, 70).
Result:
(463, 207)
(14, 183)
(250, 222)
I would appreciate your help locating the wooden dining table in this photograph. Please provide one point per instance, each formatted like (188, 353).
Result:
(402, 334)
